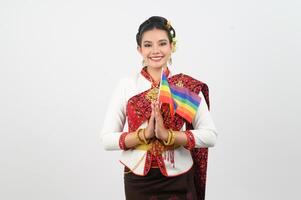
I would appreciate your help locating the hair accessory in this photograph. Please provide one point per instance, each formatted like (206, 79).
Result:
(170, 61)
(144, 63)
(171, 31)
(172, 34)
(174, 42)
(168, 25)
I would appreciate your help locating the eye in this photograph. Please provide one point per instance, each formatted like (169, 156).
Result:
(147, 45)
(163, 43)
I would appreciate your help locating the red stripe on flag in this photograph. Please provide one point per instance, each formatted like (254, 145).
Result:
(185, 113)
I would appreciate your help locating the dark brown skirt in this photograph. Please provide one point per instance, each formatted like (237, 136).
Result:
(155, 186)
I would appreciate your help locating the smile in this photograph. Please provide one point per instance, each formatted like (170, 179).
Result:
(156, 58)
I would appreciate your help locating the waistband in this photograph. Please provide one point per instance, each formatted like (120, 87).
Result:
(156, 147)
(148, 147)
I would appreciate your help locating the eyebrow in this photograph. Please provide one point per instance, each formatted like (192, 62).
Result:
(162, 40)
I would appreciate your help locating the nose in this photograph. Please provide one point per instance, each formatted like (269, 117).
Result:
(155, 49)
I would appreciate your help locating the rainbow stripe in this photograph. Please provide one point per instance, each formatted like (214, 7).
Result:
(187, 102)
(181, 100)
(165, 95)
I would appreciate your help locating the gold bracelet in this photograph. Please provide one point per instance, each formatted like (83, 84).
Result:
(138, 136)
(144, 137)
(173, 137)
(168, 139)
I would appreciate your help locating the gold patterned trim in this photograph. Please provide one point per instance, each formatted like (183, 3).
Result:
(152, 95)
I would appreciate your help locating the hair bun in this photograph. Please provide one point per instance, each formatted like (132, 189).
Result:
(157, 19)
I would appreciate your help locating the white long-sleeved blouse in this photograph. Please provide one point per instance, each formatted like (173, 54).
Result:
(115, 121)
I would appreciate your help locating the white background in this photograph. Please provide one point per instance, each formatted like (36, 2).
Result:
(60, 60)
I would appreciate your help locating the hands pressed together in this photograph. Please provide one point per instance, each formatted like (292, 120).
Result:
(155, 126)
(154, 129)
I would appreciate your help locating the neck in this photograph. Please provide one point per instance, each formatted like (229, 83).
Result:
(155, 73)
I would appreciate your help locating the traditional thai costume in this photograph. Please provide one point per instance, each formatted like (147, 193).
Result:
(155, 171)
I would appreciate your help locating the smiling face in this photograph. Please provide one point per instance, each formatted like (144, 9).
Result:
(155, 48)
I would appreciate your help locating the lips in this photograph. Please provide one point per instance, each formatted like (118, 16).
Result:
(156, 58)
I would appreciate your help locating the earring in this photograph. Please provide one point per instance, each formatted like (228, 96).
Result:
(170, 61)
(144, 63)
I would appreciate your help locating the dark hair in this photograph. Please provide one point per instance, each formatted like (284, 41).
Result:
(155, 22)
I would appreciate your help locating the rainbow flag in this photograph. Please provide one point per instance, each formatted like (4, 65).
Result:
(181, 100)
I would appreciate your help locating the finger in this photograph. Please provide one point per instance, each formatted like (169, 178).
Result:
(159, 118)
(158, 111)
(152, 117)
(156, 131)
(153, 109)
(157, 107)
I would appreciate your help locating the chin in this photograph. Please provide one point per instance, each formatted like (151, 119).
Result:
(157, 66)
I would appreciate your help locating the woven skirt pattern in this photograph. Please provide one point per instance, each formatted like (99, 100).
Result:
(155, 186)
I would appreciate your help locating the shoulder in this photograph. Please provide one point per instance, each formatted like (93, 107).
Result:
(128, 80)
(130, 84)
(188, 81)
(194, 85)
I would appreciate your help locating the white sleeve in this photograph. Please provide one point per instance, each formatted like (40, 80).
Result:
(204, 131)
(115, 118)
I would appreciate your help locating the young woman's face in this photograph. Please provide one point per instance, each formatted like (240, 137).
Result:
(155, 48)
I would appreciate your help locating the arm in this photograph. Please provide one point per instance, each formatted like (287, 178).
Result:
(204, 132)
(112, 135)
(114, 119)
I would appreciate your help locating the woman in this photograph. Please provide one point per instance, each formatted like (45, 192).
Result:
(164, 153)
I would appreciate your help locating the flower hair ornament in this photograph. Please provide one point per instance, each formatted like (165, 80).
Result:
(168, 25)
(174, 42)
(172, 34)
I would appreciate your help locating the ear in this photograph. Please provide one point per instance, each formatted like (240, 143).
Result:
(139, 49)
(171, 45)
